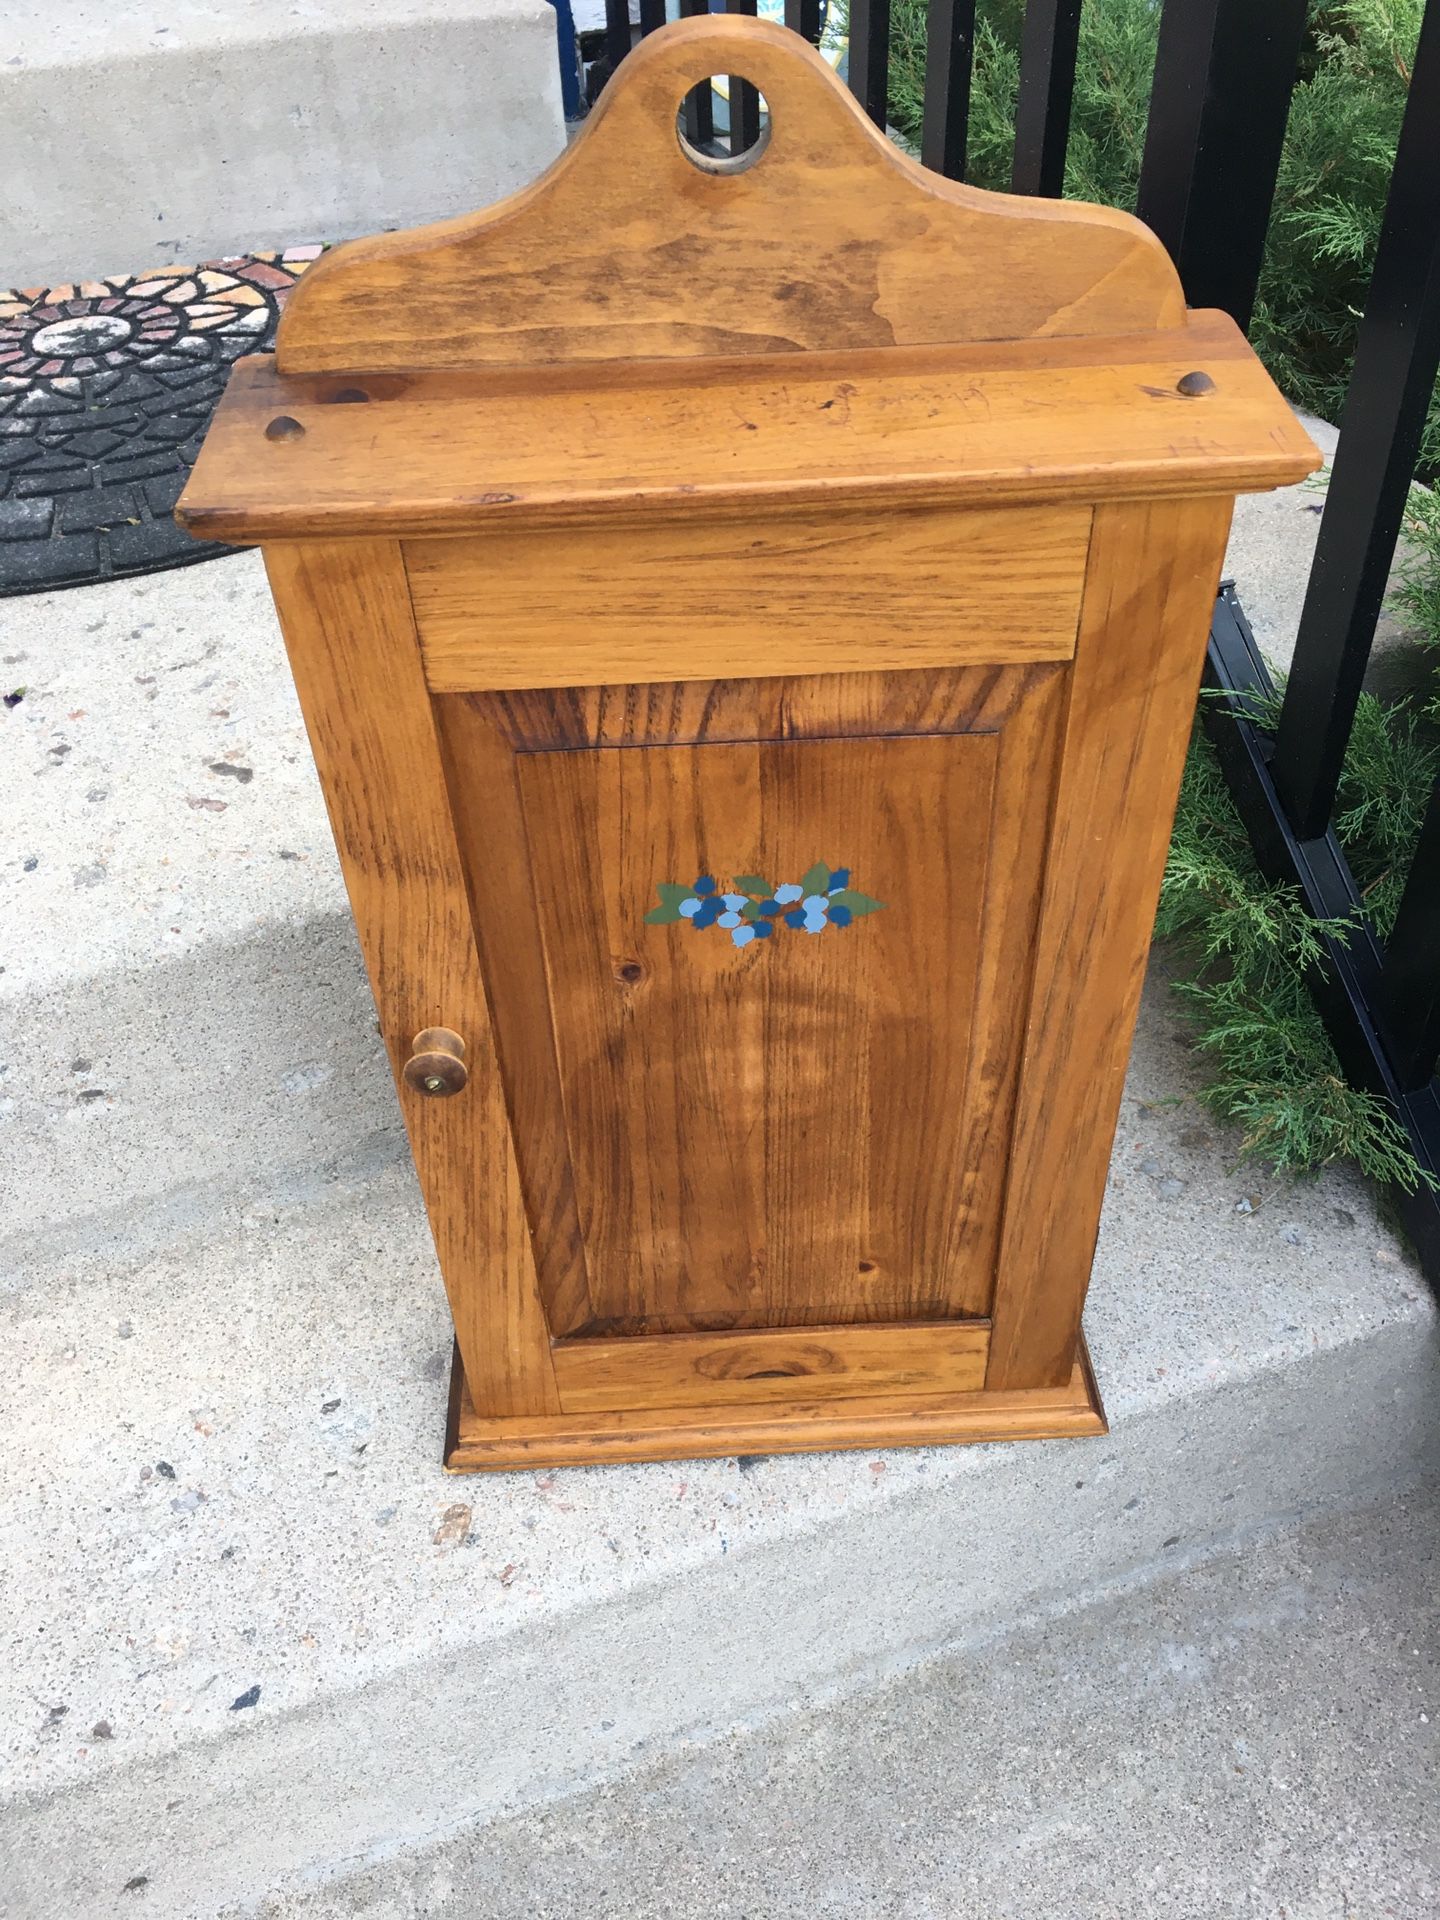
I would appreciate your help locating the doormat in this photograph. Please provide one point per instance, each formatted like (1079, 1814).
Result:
(106, 389)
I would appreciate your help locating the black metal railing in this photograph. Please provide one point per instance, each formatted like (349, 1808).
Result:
(1225, 71)
(1049, 42)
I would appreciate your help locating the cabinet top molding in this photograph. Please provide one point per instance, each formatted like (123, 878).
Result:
(630, 249)
(831, 325)
(436, 453)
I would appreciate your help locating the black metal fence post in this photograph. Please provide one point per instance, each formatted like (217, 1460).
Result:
(744, 100)
(1380, 1002)
(1224, 70)
(1410, 980)
(1395, 365)
(1049, 42)
(700, 101)
(617, 31)
(1348, 990)
(870, 55)
(949, 56)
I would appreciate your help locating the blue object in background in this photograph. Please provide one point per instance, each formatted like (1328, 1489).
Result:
(569, 52)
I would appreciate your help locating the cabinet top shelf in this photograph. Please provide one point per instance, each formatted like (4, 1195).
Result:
(316, 455)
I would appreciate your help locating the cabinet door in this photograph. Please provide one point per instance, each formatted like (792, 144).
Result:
(829, 1185)
(728, 1116)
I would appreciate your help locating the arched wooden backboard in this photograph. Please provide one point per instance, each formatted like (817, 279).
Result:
(627, 249)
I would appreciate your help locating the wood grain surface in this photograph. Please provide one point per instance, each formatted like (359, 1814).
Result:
(751, 1369)
(746, 1125)
(781, 707)
(1082, 420)
(664, 523)
(852, 592)
(477, 1444)
(811, 1129)
(1149, 591)
(346, 619)
(627, 250)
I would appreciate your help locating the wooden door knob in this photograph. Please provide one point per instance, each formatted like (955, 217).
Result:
(436, 1066)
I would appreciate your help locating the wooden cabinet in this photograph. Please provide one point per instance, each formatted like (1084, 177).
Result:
(748, 626)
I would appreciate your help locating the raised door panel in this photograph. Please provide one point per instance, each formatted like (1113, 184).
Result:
(802, 1128)
(767, 1130)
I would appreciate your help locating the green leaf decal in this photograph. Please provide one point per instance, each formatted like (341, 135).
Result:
(671, 895)
(858, 903)
(751, 883)
(817, 879)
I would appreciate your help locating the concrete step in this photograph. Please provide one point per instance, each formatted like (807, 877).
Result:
(1251, 1738)
(182, 1001)
(144, 136)
(219, 1473)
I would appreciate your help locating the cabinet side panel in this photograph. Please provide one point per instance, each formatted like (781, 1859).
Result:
(345, 614)
(1150, 585)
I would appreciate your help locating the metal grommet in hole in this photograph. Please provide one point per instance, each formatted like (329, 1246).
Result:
(347, 397)
(1192, 385)
(284, 427)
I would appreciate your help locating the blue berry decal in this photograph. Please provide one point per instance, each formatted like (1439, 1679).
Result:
(751, 909)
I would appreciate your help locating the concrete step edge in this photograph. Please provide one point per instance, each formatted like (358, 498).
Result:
(468, 1735)
(1123, 1758)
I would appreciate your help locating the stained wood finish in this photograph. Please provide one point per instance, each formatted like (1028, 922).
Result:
(659, 523)
(448, 453)
(742, 1122)
(809, 706)
(1149, 590)
(476, 1444)
(345, 615)
(855, 592)
(733, 1135)
(752, 1369)
(489, 824)
(626, 250)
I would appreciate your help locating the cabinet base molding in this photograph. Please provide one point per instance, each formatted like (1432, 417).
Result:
(477, 1443)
